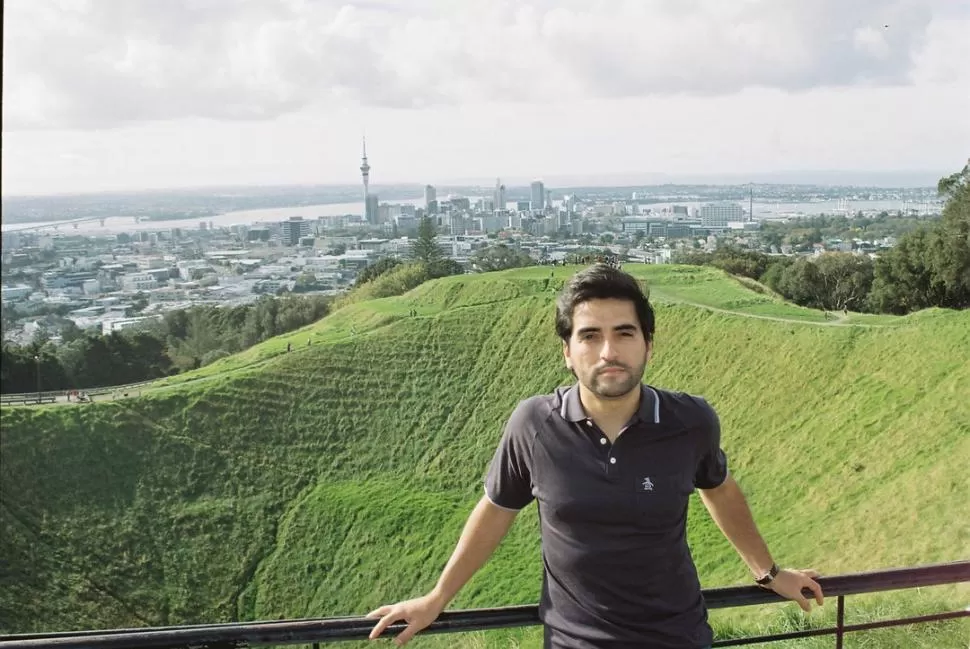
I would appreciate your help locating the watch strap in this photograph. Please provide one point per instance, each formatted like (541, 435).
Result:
(769, 577)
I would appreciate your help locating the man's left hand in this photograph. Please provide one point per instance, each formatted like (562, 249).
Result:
(789, 584)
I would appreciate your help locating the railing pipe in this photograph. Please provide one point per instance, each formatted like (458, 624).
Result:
(307, 631)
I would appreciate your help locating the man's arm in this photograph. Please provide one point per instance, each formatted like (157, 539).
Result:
(729, 509)
(486, 527)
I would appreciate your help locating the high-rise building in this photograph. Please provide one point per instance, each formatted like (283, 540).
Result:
(499, 195)
(365, 174)
(430, 199)
(371, 209)
(716, 216)
(293, 229)
(538, 196)
(569, 203)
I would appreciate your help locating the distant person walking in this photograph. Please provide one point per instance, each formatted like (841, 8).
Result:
(611, 462)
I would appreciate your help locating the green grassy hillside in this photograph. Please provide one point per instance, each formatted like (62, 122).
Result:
(336, 477)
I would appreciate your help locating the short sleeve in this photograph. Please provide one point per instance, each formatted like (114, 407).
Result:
(508, 482)
(712, 462)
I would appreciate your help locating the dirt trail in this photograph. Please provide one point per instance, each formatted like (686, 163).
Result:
(839, 321)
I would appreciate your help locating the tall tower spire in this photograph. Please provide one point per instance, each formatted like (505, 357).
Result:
(365, 168)
(365, 173)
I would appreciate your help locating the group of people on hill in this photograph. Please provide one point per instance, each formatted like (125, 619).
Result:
(613, 261)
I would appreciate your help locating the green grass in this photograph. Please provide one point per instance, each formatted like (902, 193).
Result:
(336, 477)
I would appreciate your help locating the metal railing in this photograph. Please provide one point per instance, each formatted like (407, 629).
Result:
(52, 396)
(315, 631)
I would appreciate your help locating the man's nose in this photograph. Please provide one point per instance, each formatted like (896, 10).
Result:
(608, 351)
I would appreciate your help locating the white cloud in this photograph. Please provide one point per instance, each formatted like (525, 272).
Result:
(104, 63)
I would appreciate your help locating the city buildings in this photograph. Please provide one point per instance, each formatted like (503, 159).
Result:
(538, 196)
(717, 216)
(293, 230)
(499, 199)
(99, 279)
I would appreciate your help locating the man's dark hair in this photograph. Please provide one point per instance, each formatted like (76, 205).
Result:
(601, 282)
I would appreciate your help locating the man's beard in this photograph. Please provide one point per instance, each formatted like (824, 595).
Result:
(618, 387)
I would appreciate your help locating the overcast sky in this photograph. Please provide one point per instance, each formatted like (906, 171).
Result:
(130, 94)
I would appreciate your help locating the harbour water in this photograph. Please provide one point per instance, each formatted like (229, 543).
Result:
(116, 224)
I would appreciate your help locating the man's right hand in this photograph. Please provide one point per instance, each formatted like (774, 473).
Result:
(484, 530)
(418, 613)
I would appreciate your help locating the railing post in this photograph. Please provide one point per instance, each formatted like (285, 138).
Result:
(839, 622)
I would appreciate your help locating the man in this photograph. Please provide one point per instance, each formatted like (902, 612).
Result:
(612, 463)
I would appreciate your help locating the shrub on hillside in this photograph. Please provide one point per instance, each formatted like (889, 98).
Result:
(398, 281)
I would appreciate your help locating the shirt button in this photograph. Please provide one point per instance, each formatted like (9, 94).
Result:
(602, 440)
(589, 422)
(612, 460)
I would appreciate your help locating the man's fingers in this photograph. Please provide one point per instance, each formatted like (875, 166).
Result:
(816, 588)
(804, 604)
(811, 572)
(385, 622)
(378, 612)
(405, 636)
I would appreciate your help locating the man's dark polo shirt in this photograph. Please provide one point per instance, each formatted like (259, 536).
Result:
(618, 572)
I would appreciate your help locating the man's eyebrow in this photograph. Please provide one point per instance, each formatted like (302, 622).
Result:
(622, 327)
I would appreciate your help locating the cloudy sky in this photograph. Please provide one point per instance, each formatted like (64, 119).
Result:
(130, 94)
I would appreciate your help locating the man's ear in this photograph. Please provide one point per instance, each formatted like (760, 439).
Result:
(565, 355)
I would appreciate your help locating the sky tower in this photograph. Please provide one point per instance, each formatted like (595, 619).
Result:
(365, 170)
(370, 200)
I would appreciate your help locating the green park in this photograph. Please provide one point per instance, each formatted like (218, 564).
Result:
(329, 470)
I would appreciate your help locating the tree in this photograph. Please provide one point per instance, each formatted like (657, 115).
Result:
(773, 274)
(834, 281)
(306, 281)
(930, 266)
(70, 331)
(846, 281)
(375, 270)
(500, 257)
(951, 264)
(800, 283)
(425, 247)
(444, 267)
(730, 259)
(903, 280)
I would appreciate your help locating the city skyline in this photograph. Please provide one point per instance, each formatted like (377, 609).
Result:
(164, 96)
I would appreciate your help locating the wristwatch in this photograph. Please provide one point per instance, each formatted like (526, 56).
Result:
(768, 578)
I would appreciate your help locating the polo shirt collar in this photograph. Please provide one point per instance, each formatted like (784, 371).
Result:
(649, 410)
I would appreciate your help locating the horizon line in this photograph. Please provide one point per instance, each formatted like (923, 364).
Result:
(565, 180)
